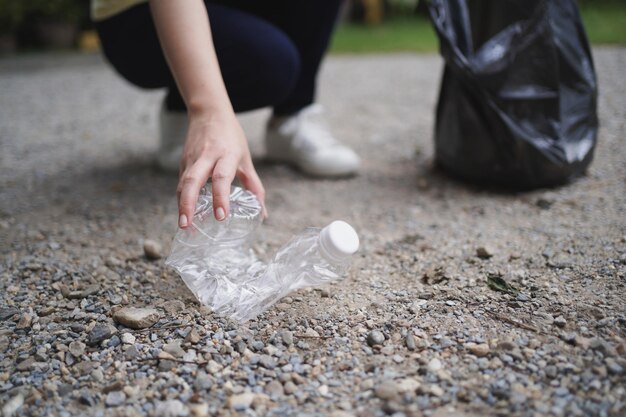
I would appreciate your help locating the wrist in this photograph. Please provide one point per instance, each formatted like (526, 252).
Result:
(209, 108)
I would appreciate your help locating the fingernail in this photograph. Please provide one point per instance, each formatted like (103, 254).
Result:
(219, 213)
(182, 221)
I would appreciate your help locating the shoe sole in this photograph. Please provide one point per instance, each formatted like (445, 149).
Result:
(311, 171)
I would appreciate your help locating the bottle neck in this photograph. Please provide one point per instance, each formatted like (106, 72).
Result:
(328, 254)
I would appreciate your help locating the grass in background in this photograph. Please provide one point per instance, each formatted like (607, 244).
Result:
(394, 35)
(605, 24)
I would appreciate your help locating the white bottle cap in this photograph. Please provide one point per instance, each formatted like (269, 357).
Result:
(339, 240)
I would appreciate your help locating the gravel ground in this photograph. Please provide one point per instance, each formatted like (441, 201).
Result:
(423, 324)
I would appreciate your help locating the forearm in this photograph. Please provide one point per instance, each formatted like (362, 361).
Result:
(185, 35)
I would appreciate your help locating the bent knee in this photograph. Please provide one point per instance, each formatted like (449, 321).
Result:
(268, 75)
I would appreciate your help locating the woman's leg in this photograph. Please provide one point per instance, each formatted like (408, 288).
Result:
(259, 63)
(309, 24)
(297, 134)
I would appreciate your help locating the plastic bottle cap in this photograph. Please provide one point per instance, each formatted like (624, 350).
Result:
(339, 239)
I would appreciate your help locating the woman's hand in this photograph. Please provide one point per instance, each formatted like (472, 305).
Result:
(215, 148)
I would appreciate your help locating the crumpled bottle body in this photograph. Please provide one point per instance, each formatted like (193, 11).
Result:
(216, 262)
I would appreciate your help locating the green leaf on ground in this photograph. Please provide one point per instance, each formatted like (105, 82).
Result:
(496, 283)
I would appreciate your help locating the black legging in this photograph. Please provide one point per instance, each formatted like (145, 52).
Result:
(269, 51)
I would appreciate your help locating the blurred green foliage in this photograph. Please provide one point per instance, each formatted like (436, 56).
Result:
(63, 10)
(11, 14)
(14, 13)
(405, 27)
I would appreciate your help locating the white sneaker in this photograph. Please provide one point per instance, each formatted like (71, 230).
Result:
(304, 141)
(173, 125)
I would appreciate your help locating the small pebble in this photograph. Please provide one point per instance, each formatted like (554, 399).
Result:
(434, 365)
(77, 348)
(484, 252)
(410, 341)
(613, 367)
(480, 350)
(152, 249)
(99, 333)
(127, 339)
(241, 401)
(193, 337)
(10, 407)
(375, 337)
(137, 318)
(115, 399)
(387, 390)
(171, 408)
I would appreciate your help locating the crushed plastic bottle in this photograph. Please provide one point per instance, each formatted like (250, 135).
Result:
(215, 259)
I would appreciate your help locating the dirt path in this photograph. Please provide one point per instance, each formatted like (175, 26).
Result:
(78, 195)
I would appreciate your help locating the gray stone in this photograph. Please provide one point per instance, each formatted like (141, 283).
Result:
(287, 337)
(507, 345)
(24, 322)
(77, 348)
(434, 365)
(387, 390)
(10, 407)
(131, 352)
(137, 318)
(86, 398)
(613, 367)
(100, 332)
(174, 349)
(480, 350)
(65, 389)
(152, 249)
(173, 306)
(267, 362)
(410, 341)
(199, 409)
(603, 346)
(570, 337)
(290, 388)
(193, 337)
(80, 293)
(8, 312)
(127, 339)
(375, 337)
(171, 408)
(240, 402)
(115, 399)
(484, 252)
(551, 371)
(26, 364)
(274, 389)
(311, 333)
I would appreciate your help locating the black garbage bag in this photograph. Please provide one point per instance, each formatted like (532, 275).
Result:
(518, 98)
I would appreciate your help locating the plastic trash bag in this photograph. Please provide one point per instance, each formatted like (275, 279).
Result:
(518, 98)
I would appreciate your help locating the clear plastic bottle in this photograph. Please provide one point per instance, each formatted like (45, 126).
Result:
(312, 258)
(215, 260)
(214, 257)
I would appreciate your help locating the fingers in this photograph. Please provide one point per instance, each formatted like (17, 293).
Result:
(222, 174)
(251, 181)
(222, 177)
(189, 185)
